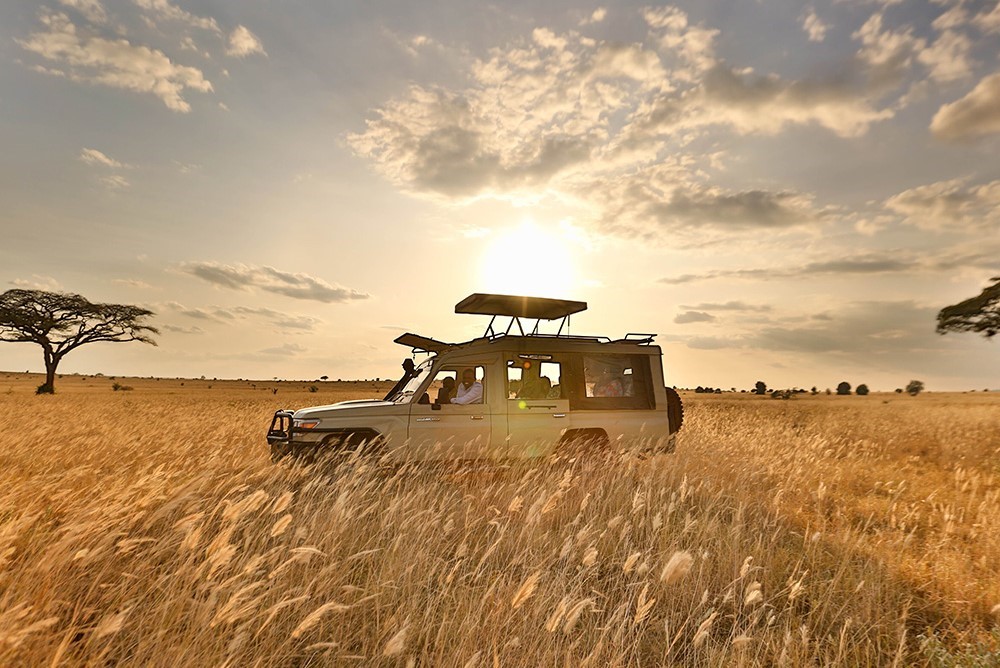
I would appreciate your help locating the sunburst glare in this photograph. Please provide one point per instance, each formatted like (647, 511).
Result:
(531, 259)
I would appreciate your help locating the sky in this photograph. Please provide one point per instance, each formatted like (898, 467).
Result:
(781, 191)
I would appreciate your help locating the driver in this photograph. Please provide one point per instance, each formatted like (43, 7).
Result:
(470, 390)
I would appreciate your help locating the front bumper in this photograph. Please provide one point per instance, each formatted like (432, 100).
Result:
(281, 436)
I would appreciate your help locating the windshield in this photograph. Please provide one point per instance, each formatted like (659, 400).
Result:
(405, 394)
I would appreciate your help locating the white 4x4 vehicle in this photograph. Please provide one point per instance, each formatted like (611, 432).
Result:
(501, 396)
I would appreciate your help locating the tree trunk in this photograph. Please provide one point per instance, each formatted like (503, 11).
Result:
(51, 362)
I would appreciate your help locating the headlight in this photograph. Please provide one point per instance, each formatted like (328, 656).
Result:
(306, 424)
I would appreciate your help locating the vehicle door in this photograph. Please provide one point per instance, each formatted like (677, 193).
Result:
(442, 428)
(537, 404)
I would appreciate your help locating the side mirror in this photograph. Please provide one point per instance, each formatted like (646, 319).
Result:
(435, 407)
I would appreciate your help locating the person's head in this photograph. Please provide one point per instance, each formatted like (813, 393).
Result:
(448, 383)
(468, 376)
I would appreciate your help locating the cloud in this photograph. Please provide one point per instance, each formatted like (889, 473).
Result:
(596, 16)
(115, 182)
(164, 10)
(218, 314)
(269, 279)
(92, 156)
(132, 283)
(243, 43)
(213, 315)
(729, 306)
(887, 53)
(869, 328)
(282, 320)
(177, 329)
(114, 63)
(604, 124)
(37, 282)
(693, 316)
(657, 197)
(92, 10)
(693, 45)
(814, 26)
(947, 58)
(950, 205)
(975, 115)
(985, 257)
(285, 350)
(988, 20)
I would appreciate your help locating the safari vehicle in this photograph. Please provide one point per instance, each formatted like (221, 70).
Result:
(509, 394)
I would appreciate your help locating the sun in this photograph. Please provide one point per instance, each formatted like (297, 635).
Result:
(530, 259)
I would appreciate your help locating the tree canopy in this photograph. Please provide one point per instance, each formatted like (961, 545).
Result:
(60, 323)
(979, 314)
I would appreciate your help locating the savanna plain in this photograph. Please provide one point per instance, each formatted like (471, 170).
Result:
(149, 527)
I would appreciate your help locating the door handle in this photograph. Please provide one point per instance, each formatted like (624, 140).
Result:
(428, 419)
(558, 415)
(477, 417)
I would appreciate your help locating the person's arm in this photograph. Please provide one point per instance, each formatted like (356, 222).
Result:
(473, 395)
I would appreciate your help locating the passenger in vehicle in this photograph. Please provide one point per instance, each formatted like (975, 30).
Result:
(608, 384)
(531, 387)
(470, 390)
(447, 390)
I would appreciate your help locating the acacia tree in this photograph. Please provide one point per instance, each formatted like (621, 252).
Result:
(980, 314)
(61, 322)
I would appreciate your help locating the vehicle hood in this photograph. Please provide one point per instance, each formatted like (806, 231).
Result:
(333, 410)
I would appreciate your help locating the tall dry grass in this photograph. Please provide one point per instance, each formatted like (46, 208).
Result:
(150, 528)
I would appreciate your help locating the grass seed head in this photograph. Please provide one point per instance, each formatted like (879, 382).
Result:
(677, 567)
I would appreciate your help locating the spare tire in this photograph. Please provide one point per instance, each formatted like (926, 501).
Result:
(675, 410)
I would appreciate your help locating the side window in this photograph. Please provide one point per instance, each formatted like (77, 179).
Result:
(442, 388)
(458, 385)
(532, 378)
(608, 376)
(611, 382)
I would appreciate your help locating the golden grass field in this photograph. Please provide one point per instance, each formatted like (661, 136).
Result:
(150, 528)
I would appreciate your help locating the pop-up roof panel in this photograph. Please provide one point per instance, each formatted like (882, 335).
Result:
(422, 343)
(519, 307)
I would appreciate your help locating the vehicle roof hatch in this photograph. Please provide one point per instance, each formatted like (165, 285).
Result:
(422, 343)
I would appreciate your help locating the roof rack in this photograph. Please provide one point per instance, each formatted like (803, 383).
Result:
(636, 338)
(517, 307)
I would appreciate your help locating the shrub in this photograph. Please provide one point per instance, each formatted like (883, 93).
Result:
(843, 388)
(118, 387)
(313, 388)
(862, 390)
(915, 387)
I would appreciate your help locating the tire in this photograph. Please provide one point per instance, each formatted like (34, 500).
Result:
(675, 410)
(583, 442)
